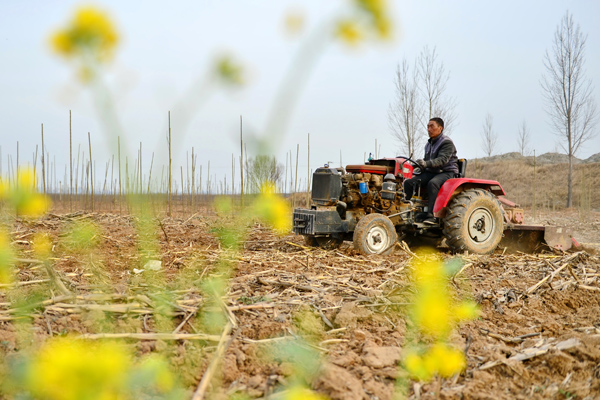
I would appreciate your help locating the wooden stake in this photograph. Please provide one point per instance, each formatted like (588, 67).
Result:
(286, 171)
(208, 180)
(140, 174)
(43, 162)
(308, 175)
(71, 163)
(35, 165)
(296, 177)
(17, 173)
(241, 161)
(194, 159)
(91, 171)
(182, 190)
(169, 187)
(534, 190)
(150, 174)
(119, 159)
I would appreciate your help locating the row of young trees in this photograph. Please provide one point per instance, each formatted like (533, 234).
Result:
(489, 137)
(421, 94)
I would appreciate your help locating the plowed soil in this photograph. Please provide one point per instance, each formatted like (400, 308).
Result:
(538, 335)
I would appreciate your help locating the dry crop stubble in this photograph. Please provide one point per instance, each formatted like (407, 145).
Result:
(362, 298)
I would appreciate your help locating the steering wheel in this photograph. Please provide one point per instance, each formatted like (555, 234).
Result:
(417, 170)
(408, 159)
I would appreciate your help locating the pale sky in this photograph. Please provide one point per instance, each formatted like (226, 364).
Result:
(492, 49)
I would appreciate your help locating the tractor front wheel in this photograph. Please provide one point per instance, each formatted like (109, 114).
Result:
(374, 234)
(474, 222)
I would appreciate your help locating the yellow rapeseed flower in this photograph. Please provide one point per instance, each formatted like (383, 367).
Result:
(34, 205)
(375, 7)
(349, 32)
(383, 27)
(452, 362)
(466, 310)
(378, 13)
(6, 258)
(444, 360)
(435, 314)
(26, 179)
(68, 369)
(90, 33)
(302, 393)
(62, 43)
(157, 369)
(432, 312)
(42, 245)
(440, 359)
(416, 367)
(294, 22)
(22, 195)
(230, 71)
(4, 188)
(273, 209)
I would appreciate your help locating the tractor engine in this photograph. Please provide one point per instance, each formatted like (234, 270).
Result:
(369, 191)
(341, 198)
(355, 192)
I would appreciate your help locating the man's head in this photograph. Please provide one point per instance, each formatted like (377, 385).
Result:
(435, 127)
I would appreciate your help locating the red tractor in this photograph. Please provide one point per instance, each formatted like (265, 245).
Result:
(366, 204)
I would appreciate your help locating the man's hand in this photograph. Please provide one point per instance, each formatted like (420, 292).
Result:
(421, 164)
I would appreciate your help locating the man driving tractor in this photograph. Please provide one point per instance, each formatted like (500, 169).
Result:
(437, 166)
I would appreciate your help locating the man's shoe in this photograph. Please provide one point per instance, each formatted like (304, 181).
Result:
(431, 221)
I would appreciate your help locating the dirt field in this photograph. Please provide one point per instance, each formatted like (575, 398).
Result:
(534, 339)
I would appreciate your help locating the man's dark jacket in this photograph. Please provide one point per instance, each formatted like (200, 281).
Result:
(440, 155)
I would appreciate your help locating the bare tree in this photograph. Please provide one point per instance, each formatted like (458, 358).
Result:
(523, 139)
(488, 136)
(433, 78)
(420, 95)
(568, 94)
(263, 170)
(403, 114)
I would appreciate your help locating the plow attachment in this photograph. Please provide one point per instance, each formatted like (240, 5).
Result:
(534, 238)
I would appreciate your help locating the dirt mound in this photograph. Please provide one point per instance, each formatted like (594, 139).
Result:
(500, 157)
(546, 184)
(546, 158)
(555, 158)
(593, 159)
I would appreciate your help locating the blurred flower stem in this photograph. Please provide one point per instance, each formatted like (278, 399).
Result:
(365, 16)
(290, 89)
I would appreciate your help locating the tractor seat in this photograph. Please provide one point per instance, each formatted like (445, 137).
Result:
(462, 168)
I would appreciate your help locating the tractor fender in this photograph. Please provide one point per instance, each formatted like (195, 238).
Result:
(453, 186)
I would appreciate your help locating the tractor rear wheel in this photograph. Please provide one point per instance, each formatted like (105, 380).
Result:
(474, 222)
(374, 234)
